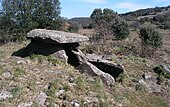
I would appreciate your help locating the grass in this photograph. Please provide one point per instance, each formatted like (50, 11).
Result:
(15, 90)
(1, 70)
(18, 72)
(35, 77)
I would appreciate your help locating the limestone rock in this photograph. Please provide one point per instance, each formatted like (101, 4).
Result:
(5, 94)
(25, 104)
(75, 103)
(41, 99)
(7, 75)
(92, 70)
(53, 36)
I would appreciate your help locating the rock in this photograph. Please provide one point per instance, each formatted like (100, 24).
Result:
(75, 103)
(80, 56)
(7, 75)
(53, 36)
(99, 57)
(25, 104)
(90, 100)
(41, 99)
(151, 86)
(71, 79)
(166, 69)
(105, 65)
(21, 62)
(5, 94)
(91, 70)
(147, 76)
(60, 92)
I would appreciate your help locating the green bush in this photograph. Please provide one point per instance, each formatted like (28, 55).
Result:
(151, 37)
(18, 72)
(120, 29)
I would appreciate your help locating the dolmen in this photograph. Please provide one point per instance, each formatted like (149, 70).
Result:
(64, 46)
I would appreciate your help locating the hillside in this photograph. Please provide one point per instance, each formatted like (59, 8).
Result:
(61, 69)
(42, 81)
(81, 22)
(159, 16)
(148, 11)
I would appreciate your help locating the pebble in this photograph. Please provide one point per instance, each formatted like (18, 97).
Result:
(5, 94)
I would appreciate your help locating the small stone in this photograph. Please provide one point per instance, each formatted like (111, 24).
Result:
(59, 92)
(41, 99)
(28, 61)
(75, 103)
(146, 76)
(21, 62)
(7, 75)
(5, 94)
(70, 79)
(25, 104)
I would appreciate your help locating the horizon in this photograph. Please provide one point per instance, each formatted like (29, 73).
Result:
(84, 8)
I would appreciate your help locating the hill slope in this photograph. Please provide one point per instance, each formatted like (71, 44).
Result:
(38, 81)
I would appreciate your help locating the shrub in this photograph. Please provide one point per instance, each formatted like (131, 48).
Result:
(18, 72)
(151, 37)
(120, 29)
(107, 23)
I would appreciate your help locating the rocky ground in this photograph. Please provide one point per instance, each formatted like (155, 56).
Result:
(43, 81)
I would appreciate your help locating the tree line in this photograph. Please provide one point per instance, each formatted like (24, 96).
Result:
(17, 17)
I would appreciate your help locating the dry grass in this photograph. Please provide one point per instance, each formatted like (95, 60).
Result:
(31, 76)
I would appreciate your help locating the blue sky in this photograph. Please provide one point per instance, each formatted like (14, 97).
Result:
(83, 8)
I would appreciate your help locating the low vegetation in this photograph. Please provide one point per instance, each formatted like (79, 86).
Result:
(139, 49)
(109, 24)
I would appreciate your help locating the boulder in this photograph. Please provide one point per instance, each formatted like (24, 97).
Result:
(92, 70)
(105, 65)
(53, 36)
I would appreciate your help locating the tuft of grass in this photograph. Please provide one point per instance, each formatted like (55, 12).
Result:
(54, 85)
(39, 58)
(18, 72)
(15, 90)
(1, 69)
(80, 81)
(35, 104)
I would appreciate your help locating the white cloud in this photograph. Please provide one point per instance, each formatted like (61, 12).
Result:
(92, 1)
(130, 6)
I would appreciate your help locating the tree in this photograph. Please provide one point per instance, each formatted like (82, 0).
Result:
(20, 16)
(151, 37)
(120, 29)
(151, 40)
(108, 24)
